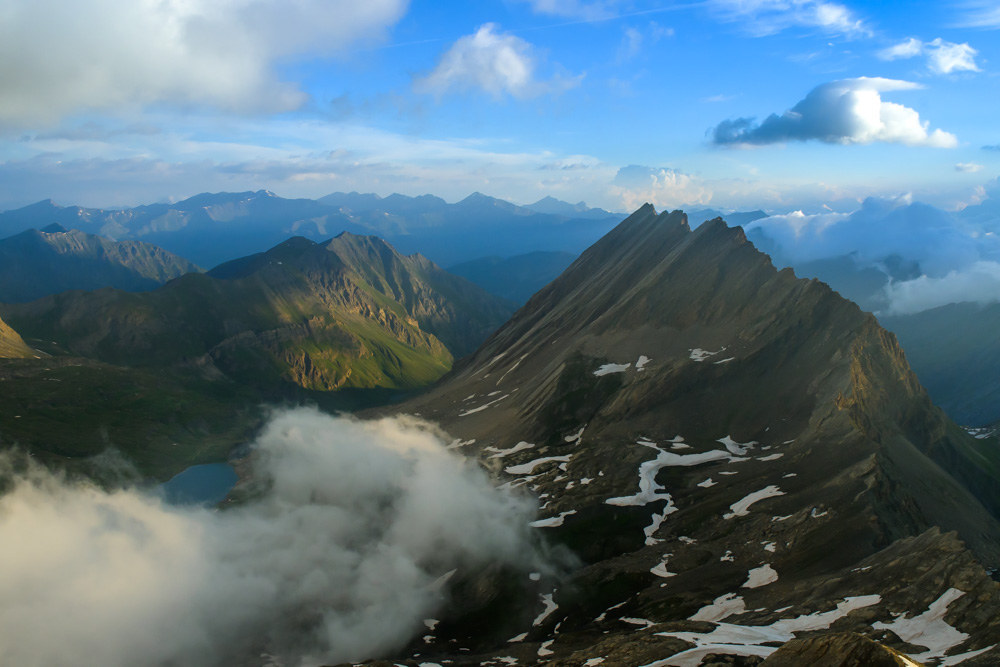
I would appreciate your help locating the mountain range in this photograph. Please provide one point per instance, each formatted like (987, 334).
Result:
(36, 263)
(350, 312)
(209, 229)
(740, 458)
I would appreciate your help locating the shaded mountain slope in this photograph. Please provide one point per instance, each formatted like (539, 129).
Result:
(515, 278)
(728, 449)
(955, 350)
(297, 315)
(36, 263)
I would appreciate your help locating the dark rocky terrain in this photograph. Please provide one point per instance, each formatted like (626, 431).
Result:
(740, 459)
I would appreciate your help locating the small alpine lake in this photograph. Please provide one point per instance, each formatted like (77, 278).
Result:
(205, 484)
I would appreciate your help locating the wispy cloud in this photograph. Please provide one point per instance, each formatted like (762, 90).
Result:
(587, 10)
(767, 17)
(979, 14)
(849, 111)
(62, 59)
(968, 167)
(994, 147)
(496, 62)
(942, 57)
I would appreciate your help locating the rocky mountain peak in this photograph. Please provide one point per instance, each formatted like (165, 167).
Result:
(712, 436)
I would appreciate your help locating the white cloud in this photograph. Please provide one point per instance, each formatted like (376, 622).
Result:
(586, 10)
(968, 167)
(882, 227)
(979, 14)
(766, 17)
(849, 111)
(665, 188)
(942, 57)
(62, 58)
(906, 49)
(980, 282)
(339, 559)
(498, 63)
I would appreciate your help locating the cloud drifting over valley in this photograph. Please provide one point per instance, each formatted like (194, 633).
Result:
(339, 559)
(938, 257)
(848, 111)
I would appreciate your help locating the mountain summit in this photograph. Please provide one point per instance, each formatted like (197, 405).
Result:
(739, 457)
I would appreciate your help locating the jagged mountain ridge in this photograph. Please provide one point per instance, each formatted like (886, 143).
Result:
(36, 263)
(787, 459)
(319, 316)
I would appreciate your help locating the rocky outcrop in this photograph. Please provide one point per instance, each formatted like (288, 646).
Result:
(837, 650)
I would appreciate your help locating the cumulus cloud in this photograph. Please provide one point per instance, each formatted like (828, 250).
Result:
(979, 282)
(344, 552)
(848, 111)
(766, 17)
(968, 167)
(498, 63)
(62, 58)
(663, 187)
(942, 57)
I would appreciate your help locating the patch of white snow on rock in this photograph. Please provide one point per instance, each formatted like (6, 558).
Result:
(607, 369)
(761, 576)
(742, 507)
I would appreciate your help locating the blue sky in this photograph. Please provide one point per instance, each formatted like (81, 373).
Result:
(615, 102)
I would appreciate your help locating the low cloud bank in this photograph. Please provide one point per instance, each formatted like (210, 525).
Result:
(339, 560)
(930, 257)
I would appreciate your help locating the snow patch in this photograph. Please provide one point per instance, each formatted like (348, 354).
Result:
(482, 407)
(761, 576)
(698, 354)
(707, 483)
(749, 640)
(772, 457)
(607, 369)
(929, 629)
(641, 363)
(728, 605)
(737, 448)
(501, 453)
(527, 468)
(649, 489)
(553, 522)
(742, 507)
(550, 607)
(543, 650)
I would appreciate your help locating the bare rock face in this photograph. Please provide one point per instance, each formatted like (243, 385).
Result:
(737, 457)
(837, 650)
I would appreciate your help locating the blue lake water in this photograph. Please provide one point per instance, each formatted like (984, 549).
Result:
(205, 484)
